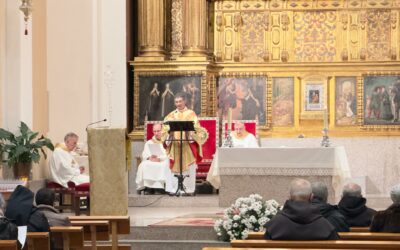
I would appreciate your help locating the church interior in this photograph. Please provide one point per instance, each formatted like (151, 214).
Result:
(316, 83)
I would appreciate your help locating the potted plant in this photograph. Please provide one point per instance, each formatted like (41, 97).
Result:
(20, 151)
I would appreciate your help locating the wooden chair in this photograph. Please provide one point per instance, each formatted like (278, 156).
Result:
(67, 237)
(8, 245)
(94, 230)
(82, 190)
(37, 241)
(321, 244)
(61, 194)
(119, 225)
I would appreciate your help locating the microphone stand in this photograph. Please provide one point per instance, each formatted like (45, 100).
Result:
(90, 124)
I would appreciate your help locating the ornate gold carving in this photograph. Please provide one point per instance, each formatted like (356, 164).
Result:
(284, 55)
(251, 39)
(393, 19)
(379, 34)
(285, 21)
(176, 29)
(345, 20)
(237, 20)
(363, 54)
(266, 21)
(393, 54)
(363, 19)
(266, 56)
(345, 55)
(219, 21)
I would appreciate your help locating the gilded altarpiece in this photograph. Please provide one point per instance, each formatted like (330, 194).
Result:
(336, 40)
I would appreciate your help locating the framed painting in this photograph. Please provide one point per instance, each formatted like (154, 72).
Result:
(154, 94)
(314, 97)
(345, 100)
(245, 95)
(381, 100)
(282, 101)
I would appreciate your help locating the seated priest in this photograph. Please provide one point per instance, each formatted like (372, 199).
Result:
(191, 147)
(243, 139)
(63, 166)
(388, 221)
(153, 174)
(299, 219)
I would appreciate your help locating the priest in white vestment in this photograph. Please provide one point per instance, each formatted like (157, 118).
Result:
(241, 139)
(63, 166)
(154, 172)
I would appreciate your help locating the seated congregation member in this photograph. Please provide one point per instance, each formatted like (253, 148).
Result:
(388, 220)
(22, 212)
(153, 172)
(243, 139)
(330, 212)
(299, 219)
(63, 167)
(8, 230)
(352, 206)
(45, 198)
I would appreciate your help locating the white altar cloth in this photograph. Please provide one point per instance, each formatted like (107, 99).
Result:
(289, 161)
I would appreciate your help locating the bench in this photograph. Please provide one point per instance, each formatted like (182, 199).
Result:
(320, 244)
(227, 248)
(94, 230)
(8, 245)
(67, 237)
(118, 225)
(37, 241)
(359, 229)
(345, 236)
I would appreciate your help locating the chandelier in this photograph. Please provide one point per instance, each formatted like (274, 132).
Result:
(26, 8)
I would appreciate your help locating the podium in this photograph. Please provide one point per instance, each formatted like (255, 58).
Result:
(108, 171)
(180, 126)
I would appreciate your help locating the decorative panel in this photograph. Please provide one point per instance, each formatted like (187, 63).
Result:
(378, 35)
(252, 36)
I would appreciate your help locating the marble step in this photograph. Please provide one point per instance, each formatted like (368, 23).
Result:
(173, 244)
(135, 200)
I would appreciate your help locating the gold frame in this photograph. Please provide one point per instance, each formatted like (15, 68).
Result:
(361, 109)
(268, 94)
(313, 80)
(295, 100)
(138, 129)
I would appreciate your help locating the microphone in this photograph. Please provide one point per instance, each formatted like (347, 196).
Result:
(90, 124)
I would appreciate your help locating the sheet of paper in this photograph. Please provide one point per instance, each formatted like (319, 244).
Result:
(22, 235)
(155, 149)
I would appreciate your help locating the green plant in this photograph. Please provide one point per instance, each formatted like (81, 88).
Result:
(23, 148)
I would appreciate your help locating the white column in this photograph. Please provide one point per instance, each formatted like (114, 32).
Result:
(109, 62)
(17, 85)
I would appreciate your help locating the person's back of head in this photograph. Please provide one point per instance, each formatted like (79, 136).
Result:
(300, 190)
(351, 190)
(45, 196)
(395, 194)
(320, 191)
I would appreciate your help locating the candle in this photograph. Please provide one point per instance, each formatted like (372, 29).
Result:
(229, 119)
(326, 117)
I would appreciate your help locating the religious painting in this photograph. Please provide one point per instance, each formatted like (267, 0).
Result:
(314, 96)
(156, 95)
(381, 100)
(245, 96)
(282, 101)
(346, 101)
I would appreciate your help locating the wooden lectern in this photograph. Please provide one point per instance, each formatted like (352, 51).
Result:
(108, 171)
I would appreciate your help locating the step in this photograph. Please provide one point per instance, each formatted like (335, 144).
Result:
(135, 200)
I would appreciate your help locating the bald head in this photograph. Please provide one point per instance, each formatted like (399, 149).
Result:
(239, 128)
(300, 190)
(395, 194)
(352, 189)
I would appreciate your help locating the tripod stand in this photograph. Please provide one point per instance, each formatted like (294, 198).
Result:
(180, 126)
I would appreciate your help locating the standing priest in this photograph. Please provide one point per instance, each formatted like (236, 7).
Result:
(191, 149)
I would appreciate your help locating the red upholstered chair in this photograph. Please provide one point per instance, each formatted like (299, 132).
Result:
(209, 147)
(60, 193)
(82, 190)
(250, 126)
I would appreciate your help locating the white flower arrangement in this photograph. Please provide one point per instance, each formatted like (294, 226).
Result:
(245, 215)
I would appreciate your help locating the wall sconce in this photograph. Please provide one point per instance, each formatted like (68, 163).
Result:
(26, 8)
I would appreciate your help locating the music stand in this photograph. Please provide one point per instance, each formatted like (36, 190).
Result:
(180, 126)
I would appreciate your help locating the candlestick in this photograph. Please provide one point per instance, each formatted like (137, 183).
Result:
(326, 117)
(229, 119)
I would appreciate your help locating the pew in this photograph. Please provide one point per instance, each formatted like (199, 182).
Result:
(67, 237)
(359, 229)
(118, 224)
(94, 230)
(345, 236)
(37, 241)
(321, 244)
(227, 248)
(8, 245)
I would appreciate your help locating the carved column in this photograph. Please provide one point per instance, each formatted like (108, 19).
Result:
(151, 28)
(194, 28)
(176, 28)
